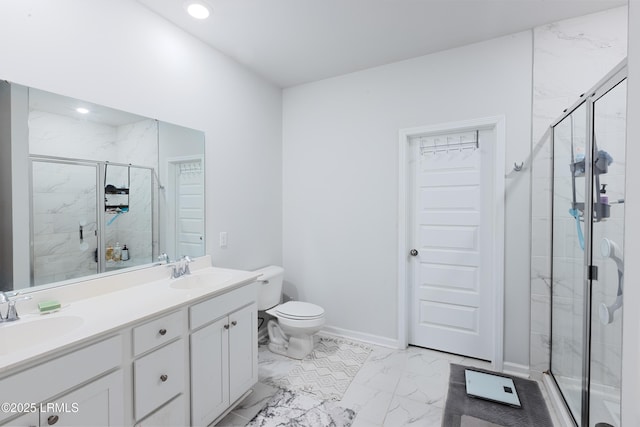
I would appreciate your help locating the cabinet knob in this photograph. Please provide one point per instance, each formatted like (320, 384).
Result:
(226, 326)
(162, 331)
(234, 323)
(52, 419)
(164, 377)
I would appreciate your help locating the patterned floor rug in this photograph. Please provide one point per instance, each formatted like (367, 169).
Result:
(292, 409)
(327, 372)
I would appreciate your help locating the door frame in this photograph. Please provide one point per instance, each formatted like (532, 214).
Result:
(405, 135)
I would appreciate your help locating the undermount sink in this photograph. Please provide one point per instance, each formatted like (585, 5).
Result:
(200, 280)
(25, 333)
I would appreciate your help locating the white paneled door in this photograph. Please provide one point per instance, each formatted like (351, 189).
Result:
(190, 208)
(452, 293)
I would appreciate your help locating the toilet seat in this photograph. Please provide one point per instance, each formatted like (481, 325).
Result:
(298, 310)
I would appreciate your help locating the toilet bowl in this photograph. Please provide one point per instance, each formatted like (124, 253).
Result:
(292, 331)
(293, 334)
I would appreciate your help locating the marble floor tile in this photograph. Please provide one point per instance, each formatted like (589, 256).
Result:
(253, 403)
(407, 412)
(428, 363)
(389, 359)
(370, 404)
(233, 420)
(393, 388)
(428, 388)
(361, 422)
(378, 376)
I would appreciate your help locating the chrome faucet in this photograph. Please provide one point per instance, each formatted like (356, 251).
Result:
(180, 267)
(3, 300)
(186, 260)
(12, 313)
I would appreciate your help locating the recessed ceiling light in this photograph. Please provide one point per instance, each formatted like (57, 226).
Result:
(82, 110)
(198, 10)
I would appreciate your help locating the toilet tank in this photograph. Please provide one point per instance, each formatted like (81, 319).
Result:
(270, 291)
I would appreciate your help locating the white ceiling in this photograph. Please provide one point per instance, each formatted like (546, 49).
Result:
(290, 42)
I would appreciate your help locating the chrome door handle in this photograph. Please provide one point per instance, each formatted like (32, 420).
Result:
(413, 252)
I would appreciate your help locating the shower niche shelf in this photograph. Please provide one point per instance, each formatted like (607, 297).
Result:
(116, 199)
(600, 167)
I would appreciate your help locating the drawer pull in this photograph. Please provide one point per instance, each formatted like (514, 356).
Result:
(234, 323)
(162, 331)
(52, 419)
(164, 377)
(226, 326)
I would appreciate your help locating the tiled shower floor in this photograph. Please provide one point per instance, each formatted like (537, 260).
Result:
(393, 388)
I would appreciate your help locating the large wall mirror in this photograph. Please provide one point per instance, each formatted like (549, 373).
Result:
(93, 190)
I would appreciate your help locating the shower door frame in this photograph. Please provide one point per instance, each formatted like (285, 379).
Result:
(99, 220)
(100, 197)
(611, 80)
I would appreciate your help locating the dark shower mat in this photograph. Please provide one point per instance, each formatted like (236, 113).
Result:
(461, 410)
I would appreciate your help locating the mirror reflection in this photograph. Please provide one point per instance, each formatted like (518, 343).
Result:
(107, 190)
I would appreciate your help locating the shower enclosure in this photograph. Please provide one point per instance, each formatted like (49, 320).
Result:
(84, 212)
(587, 260)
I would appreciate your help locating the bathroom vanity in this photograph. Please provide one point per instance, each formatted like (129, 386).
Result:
(137, 348)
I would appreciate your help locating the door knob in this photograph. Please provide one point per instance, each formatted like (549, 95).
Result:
(413, 252)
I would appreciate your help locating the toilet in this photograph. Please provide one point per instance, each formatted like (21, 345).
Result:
(292, 334)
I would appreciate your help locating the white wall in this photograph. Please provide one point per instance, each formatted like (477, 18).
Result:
(631, 315)
(340, 175)
(119, 54)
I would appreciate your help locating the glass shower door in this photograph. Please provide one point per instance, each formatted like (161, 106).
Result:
(607, 238)
(567, 297)
(587, 287)
(63, 220)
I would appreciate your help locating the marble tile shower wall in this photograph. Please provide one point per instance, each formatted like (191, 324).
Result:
(57, 255)
(63, 196)
(570, 57)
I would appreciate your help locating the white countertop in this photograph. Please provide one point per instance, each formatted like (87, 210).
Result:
(106, 311)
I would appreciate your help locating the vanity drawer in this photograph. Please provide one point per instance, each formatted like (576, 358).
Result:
(158, 377)
(157, 332)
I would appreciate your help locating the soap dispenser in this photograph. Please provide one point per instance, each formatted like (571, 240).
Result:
(125, 253)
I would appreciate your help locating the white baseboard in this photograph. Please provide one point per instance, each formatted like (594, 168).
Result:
(361, 336)
(516, 369)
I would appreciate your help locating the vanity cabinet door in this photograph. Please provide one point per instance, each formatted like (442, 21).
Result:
(99, 403)
(243, 351)
(209, 372)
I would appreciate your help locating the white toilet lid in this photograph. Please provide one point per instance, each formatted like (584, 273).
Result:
(299, 310)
